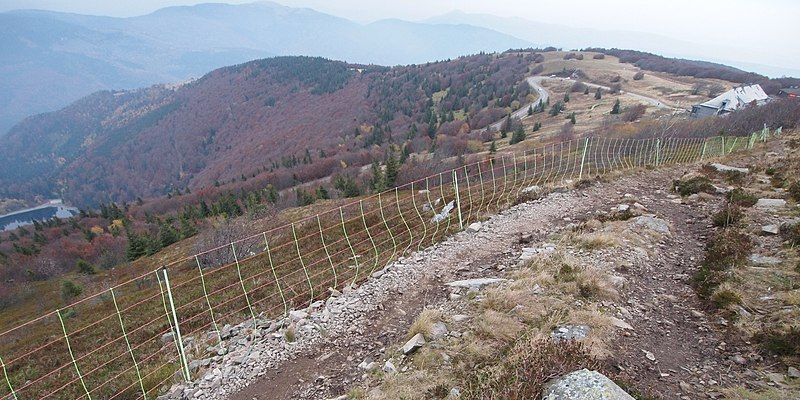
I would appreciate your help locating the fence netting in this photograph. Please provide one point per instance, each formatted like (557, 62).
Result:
(135, 339)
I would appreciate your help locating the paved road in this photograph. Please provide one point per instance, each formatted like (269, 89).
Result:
(522, 112)
(650, 100)
(536, 84)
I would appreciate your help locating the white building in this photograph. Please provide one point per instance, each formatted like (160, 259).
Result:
(731, 101)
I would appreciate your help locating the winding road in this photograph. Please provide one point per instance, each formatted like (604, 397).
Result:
(536, 84)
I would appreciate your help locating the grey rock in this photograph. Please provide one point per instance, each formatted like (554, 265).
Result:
(413, 344)
(620, 323)
(296, 315)
(460, 317)
(770, 229)
(739, 359)
(722, 190)
(389, 367)
(727, 168)
(776, 377)
(793, 373)
(167, 337)
(367, 364)
(531, 252)
(617, 281)
(770, 204)
(474, 227)
(439, 330)
(652, 223)
(764, 261)
(570, 332)
(455, 393)
(535, 189)
(476, 283)
(584, 385)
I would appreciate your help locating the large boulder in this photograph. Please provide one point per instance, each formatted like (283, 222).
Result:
(584, 385)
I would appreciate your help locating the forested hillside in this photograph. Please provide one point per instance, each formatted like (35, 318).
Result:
(282, 120)
(50, 59)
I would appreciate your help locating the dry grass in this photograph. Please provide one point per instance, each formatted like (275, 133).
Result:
(412, 385)
(596, 240)
(742, 393)
(424, 322)
(594, 284)
(527, 367)
(498, 326)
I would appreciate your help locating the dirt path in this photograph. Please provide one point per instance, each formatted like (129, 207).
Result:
(657, 300)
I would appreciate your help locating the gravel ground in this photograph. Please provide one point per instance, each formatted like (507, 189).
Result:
(673, 350)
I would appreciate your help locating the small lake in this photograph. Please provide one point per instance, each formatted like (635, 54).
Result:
(41, 213)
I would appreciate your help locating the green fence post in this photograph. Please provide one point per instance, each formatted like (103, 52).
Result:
(275, 274)
(72, 355)
(241, 281)
(182, 351)
(458, 200)
(8, 381)
(583, 158)
(302, 264)
(658, 151)
(128, 343)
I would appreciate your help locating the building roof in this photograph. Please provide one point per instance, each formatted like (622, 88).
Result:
(736, 98)
(794, 91)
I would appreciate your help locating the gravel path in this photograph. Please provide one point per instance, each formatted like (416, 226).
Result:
(358, 325)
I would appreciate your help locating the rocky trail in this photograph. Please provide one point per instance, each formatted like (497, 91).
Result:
(666, 347)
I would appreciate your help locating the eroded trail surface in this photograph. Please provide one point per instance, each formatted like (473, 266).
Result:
(673, 349)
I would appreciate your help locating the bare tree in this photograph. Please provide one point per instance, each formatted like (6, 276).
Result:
(216, 246)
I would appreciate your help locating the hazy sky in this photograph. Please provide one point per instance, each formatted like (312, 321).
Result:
(756, 27)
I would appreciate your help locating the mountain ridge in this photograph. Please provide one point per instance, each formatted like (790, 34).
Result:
(51, 59)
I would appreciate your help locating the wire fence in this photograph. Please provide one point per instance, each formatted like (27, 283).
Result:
(135, 339)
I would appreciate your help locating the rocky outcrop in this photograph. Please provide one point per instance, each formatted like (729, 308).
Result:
(585, 385)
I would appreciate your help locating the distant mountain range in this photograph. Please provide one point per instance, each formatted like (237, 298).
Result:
(50, 59)
(568, 37)
(281, 120)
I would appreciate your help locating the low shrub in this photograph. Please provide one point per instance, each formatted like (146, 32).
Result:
(727, 249)
(70, 290)
(529, 365)
(617, 216)
(729, 215)
(725, 298)
(741, 198)
(794, 191)
(634, 113)
(791, 233)
(735, 177)
(566, 273)
(694, 185)
(782, 342)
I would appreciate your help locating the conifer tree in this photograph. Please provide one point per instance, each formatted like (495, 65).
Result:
(392, 169)
(615, 108)
(518, 136)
